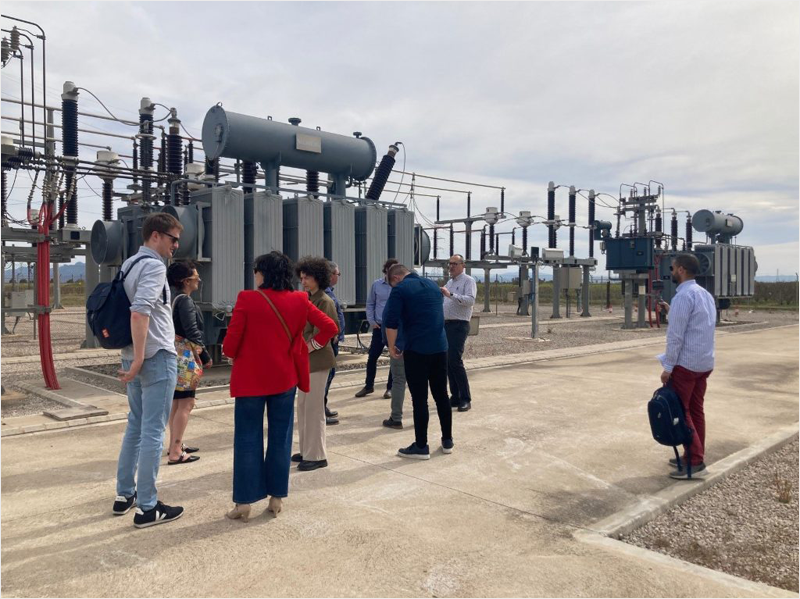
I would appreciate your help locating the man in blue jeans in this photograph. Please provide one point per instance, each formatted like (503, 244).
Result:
(149, 368)
(376, 302)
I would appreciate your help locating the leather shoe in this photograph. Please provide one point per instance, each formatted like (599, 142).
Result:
(464, 406)
(329, 420)
(387, 394)
(331, 413)
(307, 465)
(298, 457)
(365, 391)
(391, 423)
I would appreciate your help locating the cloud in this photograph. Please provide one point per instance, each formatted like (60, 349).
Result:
(701, 96)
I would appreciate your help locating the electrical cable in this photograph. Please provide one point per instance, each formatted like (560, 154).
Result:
(115, 117)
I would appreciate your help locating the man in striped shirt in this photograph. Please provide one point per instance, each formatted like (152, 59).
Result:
(689, 358)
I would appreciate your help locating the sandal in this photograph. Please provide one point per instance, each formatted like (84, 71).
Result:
(184, 458)
(189, 449)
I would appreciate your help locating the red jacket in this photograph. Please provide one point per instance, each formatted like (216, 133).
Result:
(259, 346)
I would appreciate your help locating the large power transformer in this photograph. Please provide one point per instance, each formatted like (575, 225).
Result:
(226, 225)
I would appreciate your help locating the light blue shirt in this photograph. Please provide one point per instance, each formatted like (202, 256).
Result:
(376, 300)
(146, 287)
(463, 290)
(690, 334)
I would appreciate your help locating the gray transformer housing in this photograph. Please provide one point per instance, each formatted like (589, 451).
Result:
(340, 246)
(263, 229)
(400, 237)
(303, 227)
(726, 271)
(371, 247)
(220, 246)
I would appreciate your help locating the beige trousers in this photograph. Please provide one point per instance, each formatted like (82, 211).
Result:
(311, 418)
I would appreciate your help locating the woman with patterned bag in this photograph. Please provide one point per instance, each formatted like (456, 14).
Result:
(192, 357)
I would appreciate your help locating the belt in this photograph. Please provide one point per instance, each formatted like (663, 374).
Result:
(455, 320)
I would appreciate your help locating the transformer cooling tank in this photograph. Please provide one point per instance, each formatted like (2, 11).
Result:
(253, 139)
(717, 223)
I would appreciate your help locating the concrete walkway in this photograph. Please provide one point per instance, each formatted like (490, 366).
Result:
(550, 448)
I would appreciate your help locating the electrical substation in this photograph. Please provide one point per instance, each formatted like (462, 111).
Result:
(250, 184)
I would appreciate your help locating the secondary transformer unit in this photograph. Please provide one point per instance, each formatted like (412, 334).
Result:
(340, 245)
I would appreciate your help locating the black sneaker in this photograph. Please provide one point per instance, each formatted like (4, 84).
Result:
(331, 413)
(464, 406)
(698, 471)
(365, 391)
(447, 446)
(161, 514)
(123, 505)
(391, 423)
(414, 452)
(298, 457)
(307, 465)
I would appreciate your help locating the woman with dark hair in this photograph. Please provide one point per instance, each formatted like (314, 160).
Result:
(188, 321)
(270, 360)
(315, 276)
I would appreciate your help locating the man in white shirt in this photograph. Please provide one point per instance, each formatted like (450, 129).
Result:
(459, 297)
(689, 358)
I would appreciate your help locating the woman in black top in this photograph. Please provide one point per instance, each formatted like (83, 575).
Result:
(188, 321)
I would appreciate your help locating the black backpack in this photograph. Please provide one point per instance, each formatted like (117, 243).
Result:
(108, 311)
(668, 423)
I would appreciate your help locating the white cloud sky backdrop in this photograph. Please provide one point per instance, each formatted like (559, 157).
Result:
(701, 96)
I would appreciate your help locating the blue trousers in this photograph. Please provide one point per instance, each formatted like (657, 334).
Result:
(256, 474)
(150, 401)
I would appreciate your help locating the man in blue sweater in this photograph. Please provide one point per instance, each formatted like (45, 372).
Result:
(416, 302)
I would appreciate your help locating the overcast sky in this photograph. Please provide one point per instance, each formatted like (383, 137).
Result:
(701, 96)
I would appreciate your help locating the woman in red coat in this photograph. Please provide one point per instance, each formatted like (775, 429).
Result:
(267, 369)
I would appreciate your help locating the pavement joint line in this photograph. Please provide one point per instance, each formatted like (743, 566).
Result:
(576, 527)
(651, 506)
(500, 362)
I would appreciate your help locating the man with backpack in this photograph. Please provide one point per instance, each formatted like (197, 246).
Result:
(689, 358)
(149, 369)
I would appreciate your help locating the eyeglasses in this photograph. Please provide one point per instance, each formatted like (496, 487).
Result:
(175, 240)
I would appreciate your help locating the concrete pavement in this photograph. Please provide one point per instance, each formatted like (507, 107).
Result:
(549, 448)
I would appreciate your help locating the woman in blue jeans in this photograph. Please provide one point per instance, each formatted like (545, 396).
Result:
(270, 361)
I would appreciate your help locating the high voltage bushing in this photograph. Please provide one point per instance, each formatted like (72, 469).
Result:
(659, 227)
(249, 174)
(189, 153)
(15, 39)
(108, 199)
(175, 155)
(146, 135)
(312, 182)
(382, 174)
(483, 243)
(551, 214)
(524, 241)
(452, 241)
(689, 232)
(212, 167)
(5, 206)
(674, 232)
(491, 239)
(162, 154)
(69, 142)
(572, 195)
(591, 221)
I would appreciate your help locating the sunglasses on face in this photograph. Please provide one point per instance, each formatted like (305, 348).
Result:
(174, 239)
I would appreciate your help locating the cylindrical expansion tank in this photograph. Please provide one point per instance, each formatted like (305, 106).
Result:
(233, 135)
(717, 223)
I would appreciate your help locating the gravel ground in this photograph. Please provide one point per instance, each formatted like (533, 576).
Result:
(738, 526)
(26, 406)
